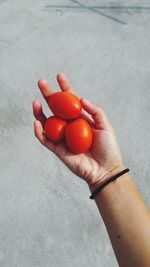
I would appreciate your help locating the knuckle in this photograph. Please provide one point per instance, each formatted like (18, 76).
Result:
(35, 134)
(101, 109)
(97, 110)
(41, 140)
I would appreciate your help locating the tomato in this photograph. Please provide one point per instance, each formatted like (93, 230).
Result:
(55, 129)
(65, 105)
(78, 135)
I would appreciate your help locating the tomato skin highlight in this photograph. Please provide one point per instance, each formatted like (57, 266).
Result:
(78, 136)
(55, 129)
(65, 105)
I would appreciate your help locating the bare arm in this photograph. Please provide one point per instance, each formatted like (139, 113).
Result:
(127, 220)
(125, 215)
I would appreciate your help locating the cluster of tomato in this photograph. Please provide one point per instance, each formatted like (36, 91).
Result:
(67, 123)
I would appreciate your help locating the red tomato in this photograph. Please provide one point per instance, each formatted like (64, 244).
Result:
(55, 129)
(65, 105)
(78, 135)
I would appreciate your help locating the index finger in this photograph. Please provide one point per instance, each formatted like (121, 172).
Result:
(65, 86)
(45, 89)
(64, 83)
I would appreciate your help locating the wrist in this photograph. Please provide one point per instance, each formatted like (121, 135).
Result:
(107, 173)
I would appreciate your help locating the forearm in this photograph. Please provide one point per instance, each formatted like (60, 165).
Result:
(127, 220)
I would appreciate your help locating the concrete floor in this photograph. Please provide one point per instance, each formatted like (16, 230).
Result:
(46, 217)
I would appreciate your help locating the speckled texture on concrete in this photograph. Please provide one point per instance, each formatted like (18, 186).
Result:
(46, 217)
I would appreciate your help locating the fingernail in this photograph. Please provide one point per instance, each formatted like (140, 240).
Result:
(84, 100)
(60, 74)
(41, 82)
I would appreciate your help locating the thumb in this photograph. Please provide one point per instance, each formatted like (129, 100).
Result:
(100, 119)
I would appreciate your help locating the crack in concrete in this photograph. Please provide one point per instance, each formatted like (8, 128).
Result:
(97, 9)
(98, 12)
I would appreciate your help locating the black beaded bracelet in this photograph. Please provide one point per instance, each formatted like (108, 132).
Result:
(107, 181)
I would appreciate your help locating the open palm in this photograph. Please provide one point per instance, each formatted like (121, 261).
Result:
(104, 154)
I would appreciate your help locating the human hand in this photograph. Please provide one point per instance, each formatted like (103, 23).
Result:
(103, 157)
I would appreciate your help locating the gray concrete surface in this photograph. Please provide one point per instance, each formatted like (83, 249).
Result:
(46, 217)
